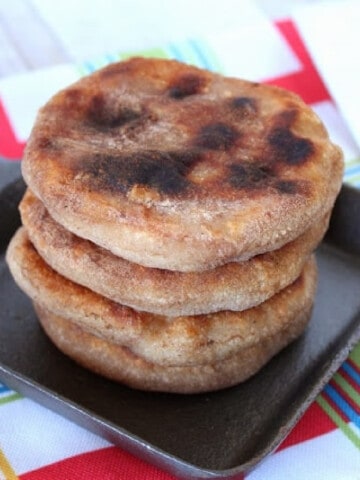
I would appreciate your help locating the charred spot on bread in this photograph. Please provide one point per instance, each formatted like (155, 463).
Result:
(186, 85)
(290, 187)
(243, 107)
(103, 116)
(249, 175)
(217, 136)
(163, 171)
(46, 143)
(289, 148)
(254, 176)
(284, 146)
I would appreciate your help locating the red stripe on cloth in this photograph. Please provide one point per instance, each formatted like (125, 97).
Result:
(110, 463)
(10, 147)
(312, 424)
(307, 83)
(345, 396)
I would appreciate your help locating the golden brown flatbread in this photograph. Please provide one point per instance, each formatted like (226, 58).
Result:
(234, 286)
(174, 167)
(183, 354)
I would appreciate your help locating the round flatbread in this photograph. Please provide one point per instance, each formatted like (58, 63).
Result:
(174, 167)
(234, 286)
(183, 354)
(118, 363)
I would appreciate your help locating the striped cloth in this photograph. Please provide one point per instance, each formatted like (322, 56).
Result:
(325, 444)
(36, 444)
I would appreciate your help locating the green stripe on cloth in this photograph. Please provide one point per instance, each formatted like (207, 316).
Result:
(352, 171)
(341, 424)
(355, 355)
(150, 52)
(10, 398)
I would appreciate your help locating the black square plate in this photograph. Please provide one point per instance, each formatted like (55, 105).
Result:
(217, 435)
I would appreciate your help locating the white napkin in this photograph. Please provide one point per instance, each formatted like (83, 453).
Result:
(331, 31)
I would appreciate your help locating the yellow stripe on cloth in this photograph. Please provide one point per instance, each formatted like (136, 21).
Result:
(6, 471)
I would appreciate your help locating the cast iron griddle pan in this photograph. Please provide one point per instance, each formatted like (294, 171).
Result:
(216, 435)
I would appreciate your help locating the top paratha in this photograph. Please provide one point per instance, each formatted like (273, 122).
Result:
(174, 167)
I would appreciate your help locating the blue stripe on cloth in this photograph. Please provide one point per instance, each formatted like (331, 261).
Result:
(343, 405)
(352, 170)
(176, 53)
(351, 372)
(203, 59)
(111, 58)
(89, 67)
(4, 388)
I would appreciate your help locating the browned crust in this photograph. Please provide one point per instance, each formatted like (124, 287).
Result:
(235, 286)
(180, 341)
(122, 365)
(173, 167)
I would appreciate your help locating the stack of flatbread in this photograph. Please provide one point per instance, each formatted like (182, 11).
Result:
(170, 222)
